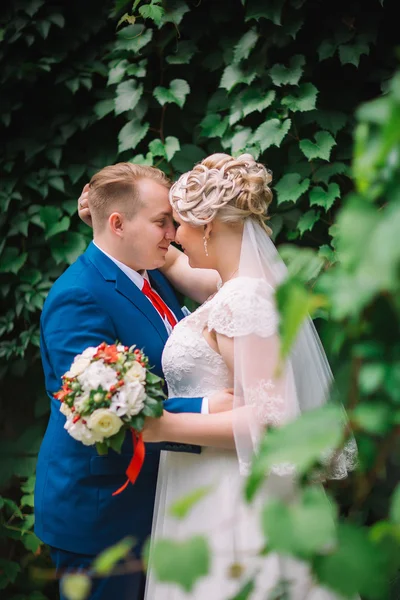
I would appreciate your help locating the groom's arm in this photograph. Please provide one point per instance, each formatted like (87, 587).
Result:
(197, 284)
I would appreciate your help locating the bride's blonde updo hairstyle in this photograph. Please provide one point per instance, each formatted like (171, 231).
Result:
(231, 189)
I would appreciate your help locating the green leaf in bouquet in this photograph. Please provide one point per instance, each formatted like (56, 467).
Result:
(115, 441)
(152, 378)
(137, 423)
(102, 448)
(183, 506)
(245, 591)
(179, 562)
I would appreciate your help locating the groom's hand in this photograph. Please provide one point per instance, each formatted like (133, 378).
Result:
(221, 401)
(83, 206)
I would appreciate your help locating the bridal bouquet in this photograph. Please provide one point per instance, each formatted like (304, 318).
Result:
(107, 391)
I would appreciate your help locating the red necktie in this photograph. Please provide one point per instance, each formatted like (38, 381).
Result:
(158, 304)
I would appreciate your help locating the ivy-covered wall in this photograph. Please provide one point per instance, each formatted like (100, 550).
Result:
(174, 82)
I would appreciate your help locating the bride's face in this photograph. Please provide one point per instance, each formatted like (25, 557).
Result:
(192, 243)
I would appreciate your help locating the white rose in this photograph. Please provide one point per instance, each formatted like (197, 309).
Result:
(129, 400)
(121, 348)
(65, 409)
(80, 432)
(104, 422)
(136, 373)
(78, 366)
(96, 375)
(89, 352)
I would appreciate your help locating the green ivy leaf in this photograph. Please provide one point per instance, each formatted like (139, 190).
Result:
(245, 45)
(182, 563)
(322, 147)
(290, 187)
(67, 247)
(167, 149)
(128, 95)
(177, 92)
(117, 72)
(60, 226)
(153, 12)
(183, 55)
(271, 133)
(213, 125)
(186, 157)
(325, 172)
(301, 443)
(327, 49)
(12, 260)
(174, 12)
(351, 53)
(307, 221)
(105, 562)
(395, 506)
(76, 586)
(325, 198)
(330, 120)
(104, 107)
(183, 506)
(249, 101)
(354, 566)
(75, 172)
(133, 38)
(8, 572)
(303, 99)
(131, 134)
(258, 9)
(374, 417)
(233, 75)
(302, 528)
(240, 140)
(291, 75)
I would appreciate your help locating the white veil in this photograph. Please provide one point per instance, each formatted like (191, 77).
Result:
(263, 396)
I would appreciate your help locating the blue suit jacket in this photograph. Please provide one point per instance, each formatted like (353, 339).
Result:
(92, 302)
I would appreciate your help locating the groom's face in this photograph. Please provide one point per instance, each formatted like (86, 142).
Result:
(149, 233)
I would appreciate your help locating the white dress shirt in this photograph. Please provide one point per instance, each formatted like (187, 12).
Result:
(138, 280)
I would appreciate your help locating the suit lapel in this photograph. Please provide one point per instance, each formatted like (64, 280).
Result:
(124, 286)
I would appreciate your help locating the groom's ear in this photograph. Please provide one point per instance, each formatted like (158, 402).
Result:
(207, 230)
(116, 223)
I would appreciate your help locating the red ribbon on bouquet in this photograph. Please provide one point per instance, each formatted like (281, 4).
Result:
(136, 463)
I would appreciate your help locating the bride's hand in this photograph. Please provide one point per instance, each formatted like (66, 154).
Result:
(154, 429)
(221, 401)
(83, 206)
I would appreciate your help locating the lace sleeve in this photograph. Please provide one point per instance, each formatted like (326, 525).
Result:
(244, 306)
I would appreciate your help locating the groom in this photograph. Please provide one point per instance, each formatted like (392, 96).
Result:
(112, 292)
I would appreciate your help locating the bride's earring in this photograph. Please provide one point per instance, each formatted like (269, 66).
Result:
(205, 245)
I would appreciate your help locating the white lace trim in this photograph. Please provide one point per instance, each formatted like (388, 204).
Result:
(244, 306)
(270, 408)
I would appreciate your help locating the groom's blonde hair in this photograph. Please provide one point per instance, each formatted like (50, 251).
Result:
(114, 189)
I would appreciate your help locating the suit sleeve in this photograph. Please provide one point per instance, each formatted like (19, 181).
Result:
(183, 405)
(72, 322)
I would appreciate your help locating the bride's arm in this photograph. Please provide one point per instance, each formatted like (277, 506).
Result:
(214, 430)
(197, 284)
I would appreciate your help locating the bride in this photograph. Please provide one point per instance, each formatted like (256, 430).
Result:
(232, 341)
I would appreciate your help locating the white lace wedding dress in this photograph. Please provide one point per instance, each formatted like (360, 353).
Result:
(192, 369)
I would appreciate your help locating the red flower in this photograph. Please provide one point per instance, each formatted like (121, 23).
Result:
(109, 354)
(63, 393)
